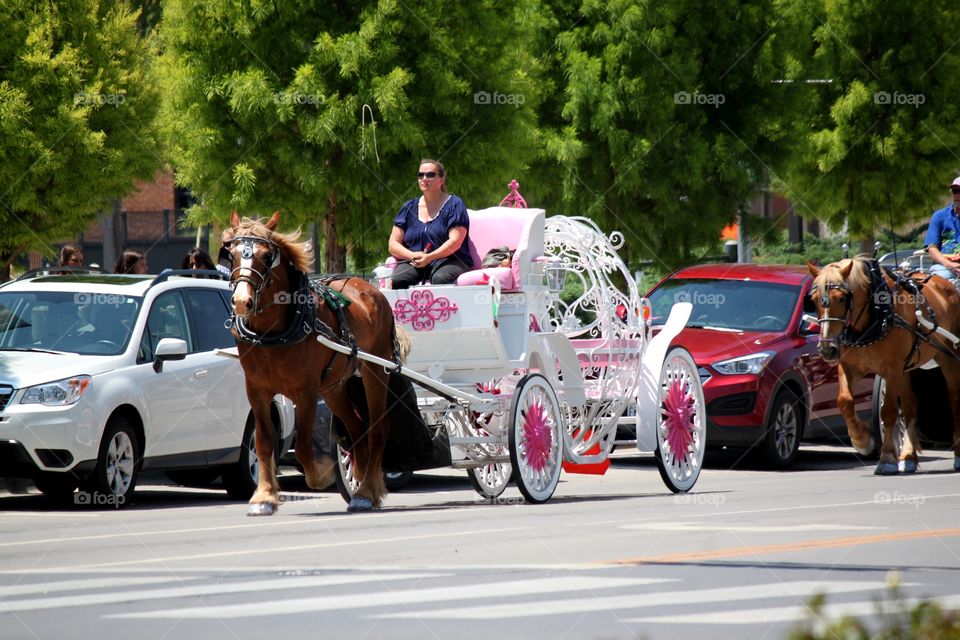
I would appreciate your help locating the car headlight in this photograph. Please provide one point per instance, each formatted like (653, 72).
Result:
(57, 393)
(753, 363)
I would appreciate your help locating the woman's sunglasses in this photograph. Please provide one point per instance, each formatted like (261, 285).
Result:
(426, 174)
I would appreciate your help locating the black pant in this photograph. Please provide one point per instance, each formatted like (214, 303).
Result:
(446, 271)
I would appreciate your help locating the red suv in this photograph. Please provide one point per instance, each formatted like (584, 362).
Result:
(753, 335)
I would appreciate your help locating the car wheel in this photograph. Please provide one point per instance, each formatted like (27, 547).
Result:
(115, 476)
(240, 478)
(782, 442)
(56, 485)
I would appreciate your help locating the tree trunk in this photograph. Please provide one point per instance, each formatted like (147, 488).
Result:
(335, 254)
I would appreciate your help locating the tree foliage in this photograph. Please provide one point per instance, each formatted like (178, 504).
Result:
(77, 117)
(670, 115)
(270, 105)
(876, 146)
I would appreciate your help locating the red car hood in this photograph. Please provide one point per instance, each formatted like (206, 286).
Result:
(709, 345)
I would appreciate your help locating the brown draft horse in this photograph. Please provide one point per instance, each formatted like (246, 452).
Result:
(277, 314)
(868, 324)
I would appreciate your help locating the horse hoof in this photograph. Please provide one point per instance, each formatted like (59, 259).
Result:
(260, 509)
(907, 466)
(886, 469)
(358, 504)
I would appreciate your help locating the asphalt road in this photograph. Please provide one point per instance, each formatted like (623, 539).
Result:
(616, 556)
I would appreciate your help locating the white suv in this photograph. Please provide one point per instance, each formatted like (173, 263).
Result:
(102, 376)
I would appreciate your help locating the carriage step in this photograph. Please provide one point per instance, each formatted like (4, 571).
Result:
(476, 464)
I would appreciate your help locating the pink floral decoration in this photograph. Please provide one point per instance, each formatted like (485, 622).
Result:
(679, 409)
(537, 436)
(422, 310)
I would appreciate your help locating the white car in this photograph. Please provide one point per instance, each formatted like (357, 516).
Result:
(103, 376)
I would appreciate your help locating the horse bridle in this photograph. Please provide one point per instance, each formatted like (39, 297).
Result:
(257, 280)
(825, 304)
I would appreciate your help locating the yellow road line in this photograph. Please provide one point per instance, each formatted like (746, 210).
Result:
(851, 541)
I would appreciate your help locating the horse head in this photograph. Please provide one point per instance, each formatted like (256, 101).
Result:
(255, 254)
(832, 293)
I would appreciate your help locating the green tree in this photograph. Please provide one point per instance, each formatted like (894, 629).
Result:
(265, 107)
(876, 145)
(77, 118)
(670, 115)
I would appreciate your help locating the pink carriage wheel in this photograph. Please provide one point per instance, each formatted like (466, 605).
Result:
(681, 431)
(536, 443)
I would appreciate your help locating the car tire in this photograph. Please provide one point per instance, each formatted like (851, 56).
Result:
(781, 444)
(240, 478)
(56, 485)
(115, 475)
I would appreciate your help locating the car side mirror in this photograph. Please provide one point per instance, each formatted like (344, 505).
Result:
(169, 349)
(809, 324)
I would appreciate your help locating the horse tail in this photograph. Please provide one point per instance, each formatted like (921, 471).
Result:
(401, 343)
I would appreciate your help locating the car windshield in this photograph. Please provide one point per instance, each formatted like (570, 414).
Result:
(70, 322)
(733, 305)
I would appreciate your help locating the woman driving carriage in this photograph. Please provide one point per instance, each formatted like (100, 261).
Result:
(429, 236)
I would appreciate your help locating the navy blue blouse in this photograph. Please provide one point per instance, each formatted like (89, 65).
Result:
(417, 234)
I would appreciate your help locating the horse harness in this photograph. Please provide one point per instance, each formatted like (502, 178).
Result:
(305, 297)
(883, 317)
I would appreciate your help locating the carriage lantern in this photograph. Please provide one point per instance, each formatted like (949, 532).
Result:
(556, 273)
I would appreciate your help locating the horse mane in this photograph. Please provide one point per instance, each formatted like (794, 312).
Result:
(859, 275)
(299, 253)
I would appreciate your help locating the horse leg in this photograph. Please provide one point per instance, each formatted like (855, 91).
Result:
(375, 385)
(366, 497)
(857, 429)
(892, 398)
(266, 499)
(318, 471)
(908, 459)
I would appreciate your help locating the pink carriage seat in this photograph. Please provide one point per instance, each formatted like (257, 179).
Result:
(515, 228)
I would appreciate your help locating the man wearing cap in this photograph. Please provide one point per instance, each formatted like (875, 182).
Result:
(943, 237)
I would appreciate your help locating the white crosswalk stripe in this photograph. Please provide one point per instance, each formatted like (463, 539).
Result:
(258, 586)
(86, 584)
(333, 602)
(799, 589)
